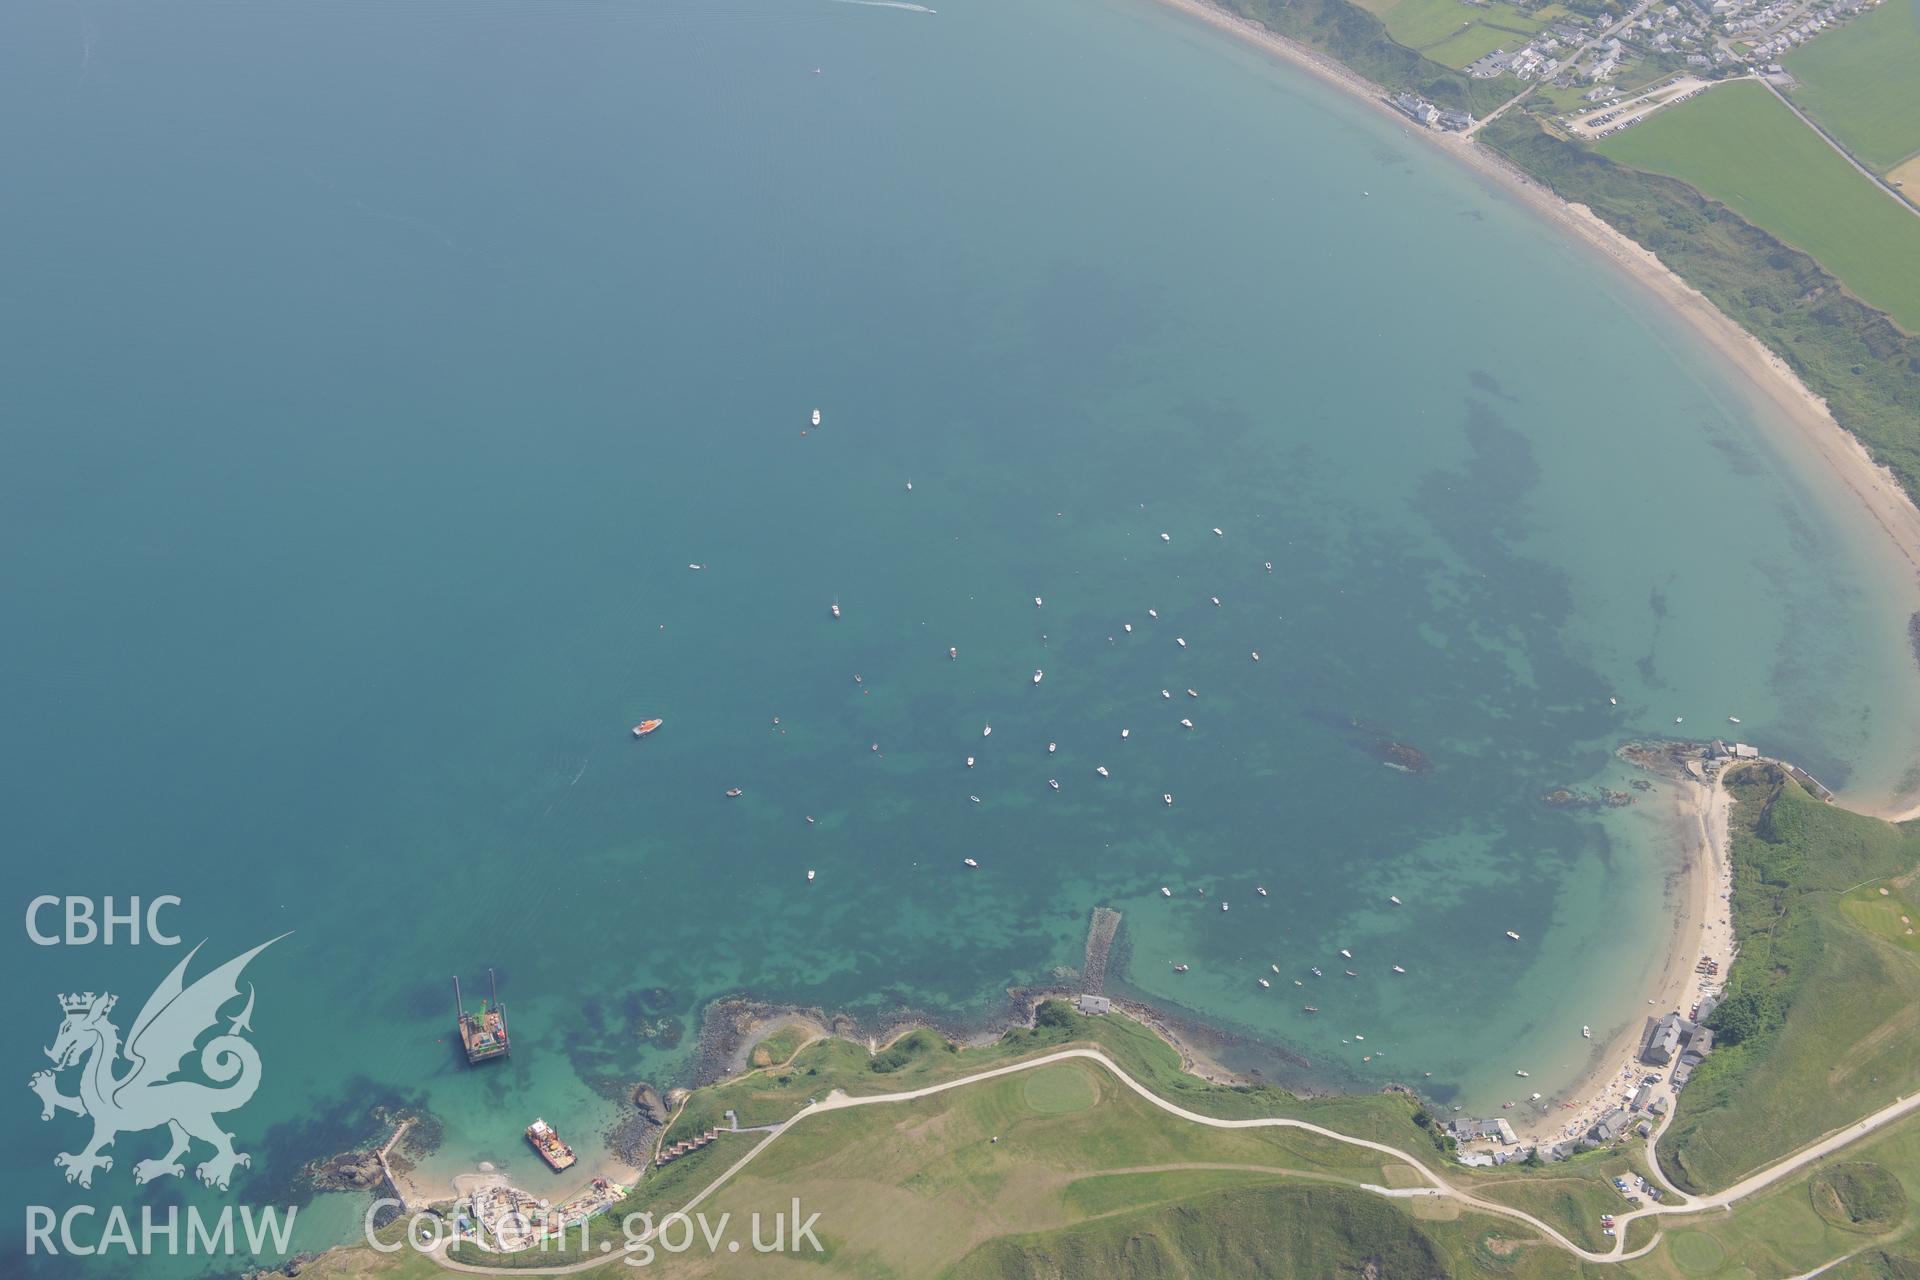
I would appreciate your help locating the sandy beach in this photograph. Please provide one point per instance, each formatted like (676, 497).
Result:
(1769, 377)
(1699, 897)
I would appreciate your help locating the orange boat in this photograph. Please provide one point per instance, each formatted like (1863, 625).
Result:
(646, 727)
(555, 1152)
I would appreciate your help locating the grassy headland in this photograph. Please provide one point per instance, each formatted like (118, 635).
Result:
(1821, 1021)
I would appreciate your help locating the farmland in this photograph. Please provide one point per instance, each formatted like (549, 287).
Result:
(1741, 146)
(1454, 33)
(1862, 83)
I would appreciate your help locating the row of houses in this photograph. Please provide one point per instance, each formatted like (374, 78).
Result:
(679, 1149)
(1425, 113)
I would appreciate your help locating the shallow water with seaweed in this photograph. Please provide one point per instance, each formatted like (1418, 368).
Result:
(381, 369)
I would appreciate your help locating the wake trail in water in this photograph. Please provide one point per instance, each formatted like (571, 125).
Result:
(890, 4)
(556, 801)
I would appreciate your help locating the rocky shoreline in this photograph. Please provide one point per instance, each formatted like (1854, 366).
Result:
(359, 1169)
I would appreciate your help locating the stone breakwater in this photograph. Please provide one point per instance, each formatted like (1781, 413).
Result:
(1100, 934)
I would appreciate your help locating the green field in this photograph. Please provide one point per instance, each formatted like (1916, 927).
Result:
(1887, 910)
(1454, 33)
(1740, 145)
(1822, 1019)
(1862, 83)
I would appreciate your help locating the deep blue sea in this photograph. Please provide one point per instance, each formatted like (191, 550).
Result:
(371, 373)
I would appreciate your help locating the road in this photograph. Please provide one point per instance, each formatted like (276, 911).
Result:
(1437, 1187)
(1844, 154)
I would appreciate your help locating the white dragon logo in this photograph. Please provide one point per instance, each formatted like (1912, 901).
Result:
(147, 1096)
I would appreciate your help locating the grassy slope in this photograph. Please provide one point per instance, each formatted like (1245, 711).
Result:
(1850, 1039)
(1280, 1232)
(1852, 356)
(766, 1097)
(1779, 1233)
(1742, 146)
(1454, 34)
(1357, 38)
(1862, 83)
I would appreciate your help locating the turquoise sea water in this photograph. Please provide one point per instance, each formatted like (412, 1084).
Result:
(371, 374)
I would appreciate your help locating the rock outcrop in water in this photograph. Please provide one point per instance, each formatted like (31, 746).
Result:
(649, 1102)
(1566, 798)
(1376, 741)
